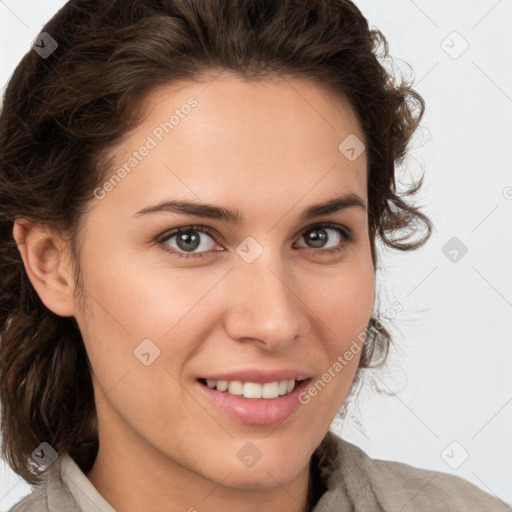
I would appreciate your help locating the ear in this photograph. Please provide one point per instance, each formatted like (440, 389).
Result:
(49, 271)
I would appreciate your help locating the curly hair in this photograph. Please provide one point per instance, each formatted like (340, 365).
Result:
(62, 114)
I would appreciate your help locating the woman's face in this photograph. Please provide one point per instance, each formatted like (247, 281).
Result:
(264, 299)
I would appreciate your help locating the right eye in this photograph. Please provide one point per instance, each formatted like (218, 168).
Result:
(187, 240)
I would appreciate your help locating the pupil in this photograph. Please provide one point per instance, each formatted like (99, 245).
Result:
(188, 241)
(187, 238)
(318, 237)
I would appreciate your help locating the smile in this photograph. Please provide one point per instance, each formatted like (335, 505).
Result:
(254, 403)
(252, 389)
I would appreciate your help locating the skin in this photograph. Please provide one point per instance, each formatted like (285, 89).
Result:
(269, 150)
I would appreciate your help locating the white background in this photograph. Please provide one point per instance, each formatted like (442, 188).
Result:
(451, 371)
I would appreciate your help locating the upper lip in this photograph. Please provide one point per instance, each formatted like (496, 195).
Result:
(259, 375)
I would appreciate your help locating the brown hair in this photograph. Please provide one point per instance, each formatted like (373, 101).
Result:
(61, 115)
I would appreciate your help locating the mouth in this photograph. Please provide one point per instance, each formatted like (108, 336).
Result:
(253, 403)
(267, 390)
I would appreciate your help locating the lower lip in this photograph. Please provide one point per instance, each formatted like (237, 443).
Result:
(256, 411)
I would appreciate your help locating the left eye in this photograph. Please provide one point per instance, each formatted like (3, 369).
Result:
(187, 239)
(318, 235)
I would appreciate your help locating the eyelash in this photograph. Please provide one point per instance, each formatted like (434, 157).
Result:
(165, 237)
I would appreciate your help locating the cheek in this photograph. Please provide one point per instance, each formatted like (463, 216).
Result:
(130, 303)
(127, 310)
(343, 305)
(345, 302)
(136, 294)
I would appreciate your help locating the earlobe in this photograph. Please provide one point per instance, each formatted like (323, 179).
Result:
(45, 267)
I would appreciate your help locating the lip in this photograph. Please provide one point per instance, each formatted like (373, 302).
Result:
(255, 411)
(259, 376)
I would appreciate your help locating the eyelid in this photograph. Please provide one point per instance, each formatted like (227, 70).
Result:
(344, 230)
(166, 235)
(347, 232)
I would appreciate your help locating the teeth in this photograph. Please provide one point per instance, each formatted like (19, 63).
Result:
(270, 390)
(222, 385)
(235, 387)
(253, 389)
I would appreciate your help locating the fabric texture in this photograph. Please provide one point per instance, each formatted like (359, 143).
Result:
(351, 481)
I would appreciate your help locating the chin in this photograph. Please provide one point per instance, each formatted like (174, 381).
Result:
(265, 477)
(265, 472)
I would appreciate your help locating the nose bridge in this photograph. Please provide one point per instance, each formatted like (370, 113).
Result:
(263, 304)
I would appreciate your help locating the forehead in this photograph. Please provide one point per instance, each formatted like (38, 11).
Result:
(228, 138)
(290, 109)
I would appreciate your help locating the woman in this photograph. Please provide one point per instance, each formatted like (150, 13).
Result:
(191, 196)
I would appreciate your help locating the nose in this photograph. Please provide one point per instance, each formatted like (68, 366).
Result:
(263, 304)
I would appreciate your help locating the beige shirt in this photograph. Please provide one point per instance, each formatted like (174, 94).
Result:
(354, 482)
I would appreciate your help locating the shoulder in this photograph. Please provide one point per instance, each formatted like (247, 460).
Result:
(37, 500)
(50, 494)
(397, 485)
(422, 487)
(63, 487)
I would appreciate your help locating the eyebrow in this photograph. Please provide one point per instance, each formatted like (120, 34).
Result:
(210, 211)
